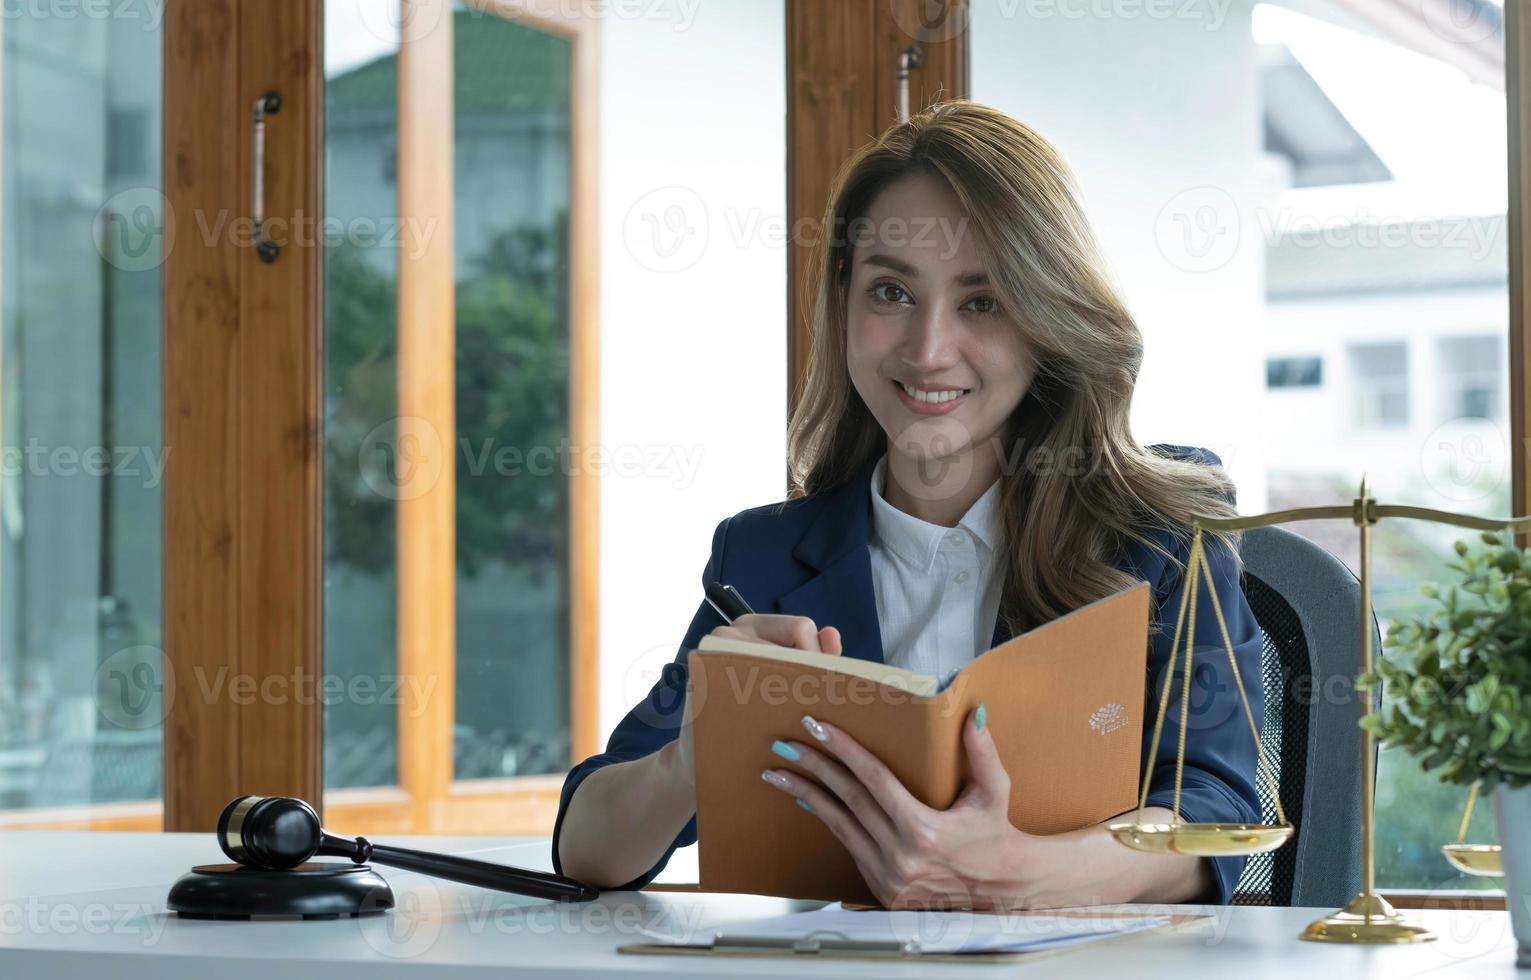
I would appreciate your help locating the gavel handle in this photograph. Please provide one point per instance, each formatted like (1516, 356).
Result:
(500, 877)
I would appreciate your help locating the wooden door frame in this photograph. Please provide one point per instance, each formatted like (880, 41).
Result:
(243, 369)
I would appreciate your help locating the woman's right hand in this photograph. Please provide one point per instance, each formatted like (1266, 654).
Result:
(798, 632)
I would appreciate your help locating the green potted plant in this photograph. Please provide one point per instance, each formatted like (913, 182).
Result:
(1457, 695)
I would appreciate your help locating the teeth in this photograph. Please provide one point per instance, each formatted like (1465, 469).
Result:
(934, 397)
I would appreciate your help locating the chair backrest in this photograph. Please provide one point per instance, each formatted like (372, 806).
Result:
(1308, 604)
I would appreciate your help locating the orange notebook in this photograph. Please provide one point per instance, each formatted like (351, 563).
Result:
(1064, 702)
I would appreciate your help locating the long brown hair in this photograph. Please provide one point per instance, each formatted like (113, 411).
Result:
(1065, 526)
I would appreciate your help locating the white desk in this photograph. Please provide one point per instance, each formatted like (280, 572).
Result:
(92, 905)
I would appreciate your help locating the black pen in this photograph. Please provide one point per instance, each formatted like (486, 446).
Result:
(727, 601)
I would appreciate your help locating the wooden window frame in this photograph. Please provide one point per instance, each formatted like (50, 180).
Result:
(428, 799)
(243, 370)
(1517, 87)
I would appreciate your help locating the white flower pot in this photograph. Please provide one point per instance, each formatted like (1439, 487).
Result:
(1512, 809)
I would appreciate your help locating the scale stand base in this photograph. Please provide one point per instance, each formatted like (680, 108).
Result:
(317, 890)
(1368, 920)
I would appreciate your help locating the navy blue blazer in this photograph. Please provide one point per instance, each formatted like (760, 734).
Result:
(809, 557)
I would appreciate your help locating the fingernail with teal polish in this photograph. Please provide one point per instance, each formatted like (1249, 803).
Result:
(981, 717)
(803, 804)
(785, 751)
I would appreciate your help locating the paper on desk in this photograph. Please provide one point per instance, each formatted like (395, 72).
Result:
(926, 932)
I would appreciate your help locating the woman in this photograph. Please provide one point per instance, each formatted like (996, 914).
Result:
(967, 472)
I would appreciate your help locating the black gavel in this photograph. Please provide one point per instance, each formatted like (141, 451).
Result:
(279, 832)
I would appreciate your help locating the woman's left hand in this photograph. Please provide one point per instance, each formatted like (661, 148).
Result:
(911, 855)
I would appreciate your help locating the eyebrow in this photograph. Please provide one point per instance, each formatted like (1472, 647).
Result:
(905, 269)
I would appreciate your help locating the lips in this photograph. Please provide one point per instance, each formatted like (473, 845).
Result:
(928, 398)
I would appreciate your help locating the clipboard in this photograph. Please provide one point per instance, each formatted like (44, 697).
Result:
(823, 944)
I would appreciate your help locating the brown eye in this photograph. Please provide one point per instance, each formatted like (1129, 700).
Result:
(888, 292)
(982, 304)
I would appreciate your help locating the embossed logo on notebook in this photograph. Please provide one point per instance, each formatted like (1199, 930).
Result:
(1108, 718)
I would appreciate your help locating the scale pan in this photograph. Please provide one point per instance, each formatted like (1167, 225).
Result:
(1201, 839)
(1475, 859)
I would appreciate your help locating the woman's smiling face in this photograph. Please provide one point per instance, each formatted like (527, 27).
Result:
(938, 363)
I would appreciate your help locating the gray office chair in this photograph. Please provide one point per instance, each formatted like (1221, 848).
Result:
(1307, 602)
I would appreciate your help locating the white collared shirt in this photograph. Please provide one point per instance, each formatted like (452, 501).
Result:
(938, 588)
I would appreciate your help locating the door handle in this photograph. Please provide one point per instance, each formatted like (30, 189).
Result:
(909, 59)
(266, 105)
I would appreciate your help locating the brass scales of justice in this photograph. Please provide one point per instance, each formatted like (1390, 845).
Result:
(1368, 918)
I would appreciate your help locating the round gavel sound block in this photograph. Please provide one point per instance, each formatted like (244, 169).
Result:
(314, 890)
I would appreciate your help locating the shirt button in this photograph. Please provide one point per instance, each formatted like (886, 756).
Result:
(961, 578)
(957, 537)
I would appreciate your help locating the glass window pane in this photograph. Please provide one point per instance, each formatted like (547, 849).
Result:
(80, 662)
(1269, 185)
(1471, 378)
(1294, 372)
(1379, 377)
(511, 172)
(361, 470)
(511, 217)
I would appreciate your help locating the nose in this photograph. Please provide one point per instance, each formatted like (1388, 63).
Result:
(930, 341)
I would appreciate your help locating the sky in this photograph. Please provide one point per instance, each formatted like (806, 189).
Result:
(358, 31)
